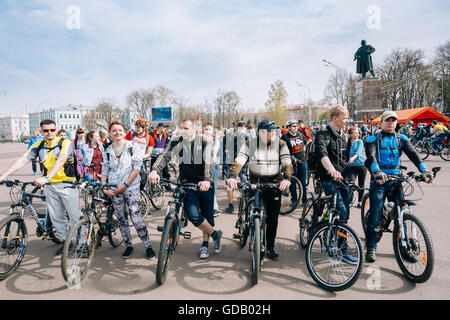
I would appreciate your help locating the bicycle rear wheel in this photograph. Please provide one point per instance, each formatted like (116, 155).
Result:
(13, 236)
(325, 256)
(157, 195)
(416, 260)
(78, 252)
(166, 249)
(114, 235)
(256, 251)
(243, 231)
(365, 209)
(287, 205)
(145, 204)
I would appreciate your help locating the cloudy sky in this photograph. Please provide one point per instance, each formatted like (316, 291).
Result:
(196, 47)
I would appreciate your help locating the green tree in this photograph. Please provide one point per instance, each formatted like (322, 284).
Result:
(276, 103)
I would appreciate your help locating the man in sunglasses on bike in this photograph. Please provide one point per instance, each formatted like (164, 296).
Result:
(57, 156)
(265, 154)
(383, 151)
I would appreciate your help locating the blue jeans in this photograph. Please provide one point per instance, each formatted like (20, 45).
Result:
(343, 199)
(377, 197)
(300, 173)
(199, 205)
(437, 142)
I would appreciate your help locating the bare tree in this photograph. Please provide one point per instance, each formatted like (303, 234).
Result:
(102, 116)
(276, 103)
(141, 102)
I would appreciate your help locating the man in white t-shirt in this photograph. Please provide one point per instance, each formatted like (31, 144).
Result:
(141, 137)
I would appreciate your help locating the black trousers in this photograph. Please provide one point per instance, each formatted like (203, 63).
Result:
(360, 172)
(271, 199)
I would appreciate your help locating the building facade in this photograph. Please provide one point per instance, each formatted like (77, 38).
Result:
(14, 127)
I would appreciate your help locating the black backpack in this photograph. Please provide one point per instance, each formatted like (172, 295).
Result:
(311, 155)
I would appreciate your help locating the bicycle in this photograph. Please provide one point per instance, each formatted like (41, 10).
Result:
(414, 253)
(13, 230)
(174, 221)
(253, 225)
(78, 251)
(425, 147)
(327, 243)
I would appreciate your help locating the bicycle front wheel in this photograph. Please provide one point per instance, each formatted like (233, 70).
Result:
(327, 256)
(287, 203)
(256, 251)
(445, 154)
(78, 252)
(415, 257)
(157, 195)
(13, 237)
(166, 249)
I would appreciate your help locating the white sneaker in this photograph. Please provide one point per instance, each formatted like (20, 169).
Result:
(204, 253)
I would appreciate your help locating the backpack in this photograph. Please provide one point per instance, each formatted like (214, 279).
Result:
(72, 168)
(311, 155)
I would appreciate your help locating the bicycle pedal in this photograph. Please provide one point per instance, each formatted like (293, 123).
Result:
(160, 228)
(187, 235)
(236, 235)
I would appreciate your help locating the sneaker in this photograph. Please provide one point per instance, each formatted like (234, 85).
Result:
(348, 258)
(271, 254)
(370, 256)
(217, 244)
(35, 174)
(230, 208)
(149, 254)
(216, 213)
(407, 255)
(127, 253)
(204, 253)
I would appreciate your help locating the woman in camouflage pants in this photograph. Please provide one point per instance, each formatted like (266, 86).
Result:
(122, 162)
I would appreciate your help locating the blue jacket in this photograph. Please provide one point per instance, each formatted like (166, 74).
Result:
(357, 148)
(34, 139)
(383, 153)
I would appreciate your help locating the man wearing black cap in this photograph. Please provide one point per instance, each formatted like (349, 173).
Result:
(265, 154)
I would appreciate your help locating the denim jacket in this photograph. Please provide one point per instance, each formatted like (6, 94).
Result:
(118, 172)
(88, 153)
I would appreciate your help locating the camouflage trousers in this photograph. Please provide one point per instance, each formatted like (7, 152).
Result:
(132, 200)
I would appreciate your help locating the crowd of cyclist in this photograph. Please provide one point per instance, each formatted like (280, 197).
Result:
(264, 153)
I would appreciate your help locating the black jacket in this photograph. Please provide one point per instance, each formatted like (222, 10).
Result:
(335, 146)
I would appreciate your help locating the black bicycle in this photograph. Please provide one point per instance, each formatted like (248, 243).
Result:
(413, 247)
(151, 193)
(252, 221)
(174, 221)
(287, 204)
(82, 240)
(13, 230)
(329, 242)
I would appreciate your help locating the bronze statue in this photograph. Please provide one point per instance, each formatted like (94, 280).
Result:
(363, 55)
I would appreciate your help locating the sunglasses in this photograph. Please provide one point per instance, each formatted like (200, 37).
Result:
(49, 130)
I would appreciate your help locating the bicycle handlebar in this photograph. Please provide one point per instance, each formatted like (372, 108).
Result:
(182, 185)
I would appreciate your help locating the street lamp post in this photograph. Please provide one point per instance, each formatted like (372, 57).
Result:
(309, 100)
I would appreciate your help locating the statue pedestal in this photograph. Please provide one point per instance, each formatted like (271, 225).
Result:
(368, 98)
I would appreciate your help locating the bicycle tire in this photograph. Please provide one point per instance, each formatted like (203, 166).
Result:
(243, 232)
(145, 204)
(9, 247)
(256, 251)
(445, 154)
(365, 207)
(287, 208)
(113, 230)
(427, 257)
(305, 222)
(424, 150)
(333, 255)
(165, 251)
(157, 191)
(76, 248)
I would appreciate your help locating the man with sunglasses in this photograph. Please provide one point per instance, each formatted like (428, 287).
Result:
(265, 154)
(57, 156)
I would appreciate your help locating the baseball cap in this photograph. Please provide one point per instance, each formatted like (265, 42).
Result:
(267, 125)
(388, 114)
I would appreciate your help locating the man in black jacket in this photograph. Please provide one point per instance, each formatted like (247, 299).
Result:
(196, 166)
(296, 143)
(331, 149)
